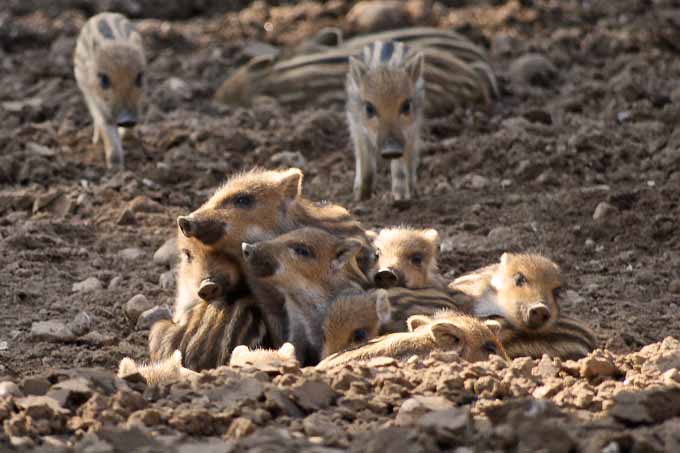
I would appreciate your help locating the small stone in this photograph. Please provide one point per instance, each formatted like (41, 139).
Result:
(377, 15)
(51, 331)
(532, 69)
(477, 182)
(143, 203)
(414, 408)
(4, 346)
(87, 286)
(152, 315)
(41, 406)
(288, 159)
(320, 424)
(670, 377)
(167, 253)
(240, 427)
(546, 368)
(646, 407)
(115, 282)
(178, 87)
(604, 212)
(378, 362)
(127, 217)
(131, 254)
(313, 395)
(34, 385)
(451, 423)
(598, 365)
(81, 324)
(97, 339)
(137, 305)
(167, 280)
(9, 388)
(71, 392)
(674, 287)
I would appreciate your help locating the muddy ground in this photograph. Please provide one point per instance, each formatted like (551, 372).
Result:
(602, 129)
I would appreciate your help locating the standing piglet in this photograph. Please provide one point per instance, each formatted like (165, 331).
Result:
(109, 65)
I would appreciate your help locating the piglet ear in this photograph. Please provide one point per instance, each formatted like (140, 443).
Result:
(447, 336)
(291, 183)
(287, 350)
(494, 326)
(357, 70)
(505, 258)
(127, 367)
(346, 251)
(415, 321)
(415, 66)
(431, 235)
(239, 351)
(383, 307)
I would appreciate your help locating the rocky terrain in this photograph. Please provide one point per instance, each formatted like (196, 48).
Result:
(578, 159)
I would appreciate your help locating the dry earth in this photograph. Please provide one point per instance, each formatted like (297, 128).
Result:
(579, 159)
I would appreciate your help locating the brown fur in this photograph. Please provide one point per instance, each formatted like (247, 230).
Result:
(408, 257)
(275, 206)
(310, 267)
(385, 105)
(202, 274)
(357, 318)
(160, 372)
(210, 332)
(513, 288)
(568, 339)
(109, 65)
(473, 339)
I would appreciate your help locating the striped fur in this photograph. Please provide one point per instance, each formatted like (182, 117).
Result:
(210, 334)
(404, 303)
(457, 72)
(109, 64)
(447, 331)
(568, 339)
(385, 102)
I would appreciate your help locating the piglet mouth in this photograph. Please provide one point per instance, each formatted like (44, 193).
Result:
(392, 152)
(260, 263)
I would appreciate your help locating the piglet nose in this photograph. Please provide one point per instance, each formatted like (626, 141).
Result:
(247, 249)
(385, 278)
(537, 316)
(209, 290)
(126, 119)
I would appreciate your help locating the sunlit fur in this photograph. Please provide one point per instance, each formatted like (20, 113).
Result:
(108, 46)
(264, 359)
(160, 372)
(411, 255)
(459, 73)
(385, 104)
(276, 206)
(308, 282)
(447, 331)
(498, 294)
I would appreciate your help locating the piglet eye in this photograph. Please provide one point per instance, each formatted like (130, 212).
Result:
(520, 280)
(243, 201)
(187, 255)
(416, 259)
(557, 293)
(406, 107)
(370, 110)
(104, 81)
(359, 336)
(139, 80)
(302, 250)
(490, 347)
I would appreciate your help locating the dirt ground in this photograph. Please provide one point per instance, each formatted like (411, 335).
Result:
(601, 130)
